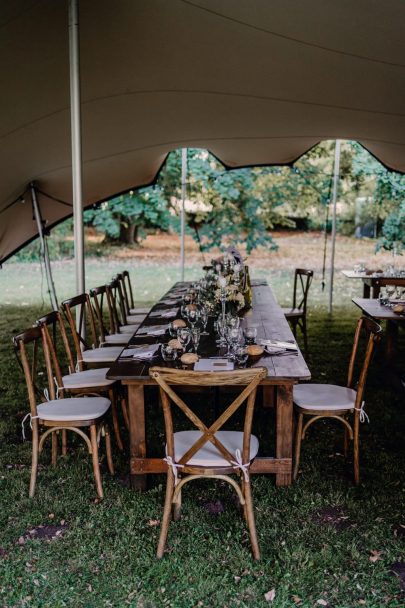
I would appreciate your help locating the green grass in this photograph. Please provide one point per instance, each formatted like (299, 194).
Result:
(106, 557)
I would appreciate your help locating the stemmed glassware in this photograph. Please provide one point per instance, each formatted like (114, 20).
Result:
(184, 337)
(193, 315)
(204, 320)
(195, 337)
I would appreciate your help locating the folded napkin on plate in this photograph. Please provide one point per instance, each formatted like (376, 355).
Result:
(152, 330)
(169, 301)
(165, 314)
(144, 351)
(278, 345)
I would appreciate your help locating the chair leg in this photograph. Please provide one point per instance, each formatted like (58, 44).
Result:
(64, 443)
(111, 395)
(345, 442)
(110, 462)
(177, 507)
(96, 464)
(34, 459)
(166, 515)
(124, 408)
(356, 451)
(298, 440)
(250, 518)
(54, 440)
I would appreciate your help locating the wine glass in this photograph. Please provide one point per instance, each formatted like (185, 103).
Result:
(390, 289)
(193, 314)
(234, 337)
(241, 356)
(184, 337)
(195, 336)
(204, 320)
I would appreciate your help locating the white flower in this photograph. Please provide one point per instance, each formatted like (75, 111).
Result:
(237, 268)
(222, 281)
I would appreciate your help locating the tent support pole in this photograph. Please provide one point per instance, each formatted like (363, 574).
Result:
(336, 173)
(183, 203)
(44, 248)
(75, 118)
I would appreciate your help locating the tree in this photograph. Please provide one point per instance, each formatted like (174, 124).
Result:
(127, 217)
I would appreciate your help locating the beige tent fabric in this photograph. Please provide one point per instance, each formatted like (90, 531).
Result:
(253, 81)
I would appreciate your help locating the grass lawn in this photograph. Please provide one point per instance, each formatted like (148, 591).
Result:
(324, 541)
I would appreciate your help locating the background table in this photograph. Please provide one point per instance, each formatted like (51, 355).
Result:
(283, 372)
(371, 287)
(373, 308)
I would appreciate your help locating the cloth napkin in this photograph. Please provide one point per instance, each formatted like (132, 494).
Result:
(276, 345)
(152, 330)
(165, 314)
(144, 351)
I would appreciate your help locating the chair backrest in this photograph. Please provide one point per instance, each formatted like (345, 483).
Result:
(247, 379)
(372, 331)
(302, 283)
(117, 293)
(126, 287)
(86, 318)
(28, 346)
(101, 296)
(53, 333)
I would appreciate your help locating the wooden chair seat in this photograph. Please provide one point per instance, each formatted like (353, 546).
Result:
(87, 379)
(71, 408)
(292, 312)
(106, 354)
(208, 455)
(129, 329)
(122, 338)
(324, 397)
(135, 319)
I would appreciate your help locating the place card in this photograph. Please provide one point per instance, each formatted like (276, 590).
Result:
(152, 330)
(213, 365)
(164, 314)
(143, 351)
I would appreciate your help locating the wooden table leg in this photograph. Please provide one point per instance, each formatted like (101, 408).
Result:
(366, 288)
(268, 396)
(137, 440)
(284, 430)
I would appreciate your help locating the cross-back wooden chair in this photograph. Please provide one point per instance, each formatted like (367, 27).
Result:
(78, 382)
(208, 451)
(102, 298)
(128, 293)
(49, 414)
(342, 403)
(125, 321)
(88, 350)
(297, 314)
(130, 314)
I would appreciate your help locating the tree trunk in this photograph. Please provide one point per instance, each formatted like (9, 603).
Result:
(129, 234)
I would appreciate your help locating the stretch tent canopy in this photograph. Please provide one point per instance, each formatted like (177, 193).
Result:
(255, 82)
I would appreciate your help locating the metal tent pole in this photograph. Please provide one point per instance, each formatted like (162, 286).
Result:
(336, 173)
(183, 203)
(44, 248)
(75, 118)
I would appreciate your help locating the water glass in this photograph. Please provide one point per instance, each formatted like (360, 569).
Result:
(250, 334)
(168, 353)
(241, 356)
(204, 320)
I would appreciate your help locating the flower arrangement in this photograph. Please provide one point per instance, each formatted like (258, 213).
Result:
(227, 284)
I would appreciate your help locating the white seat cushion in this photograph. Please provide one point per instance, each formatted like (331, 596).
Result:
(129, 329)
(88, 378)
(135, 319)
(208, 455)
(98, 355)
(82, 408)
(123, 338)
(324, 397)
(139, 311)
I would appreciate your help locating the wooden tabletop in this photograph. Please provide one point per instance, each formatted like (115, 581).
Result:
(265, 314)
(373, 308)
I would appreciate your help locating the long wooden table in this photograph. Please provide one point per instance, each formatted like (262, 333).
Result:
(283, 372)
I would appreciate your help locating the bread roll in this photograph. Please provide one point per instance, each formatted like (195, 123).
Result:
(189, 358)
(177, 323)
